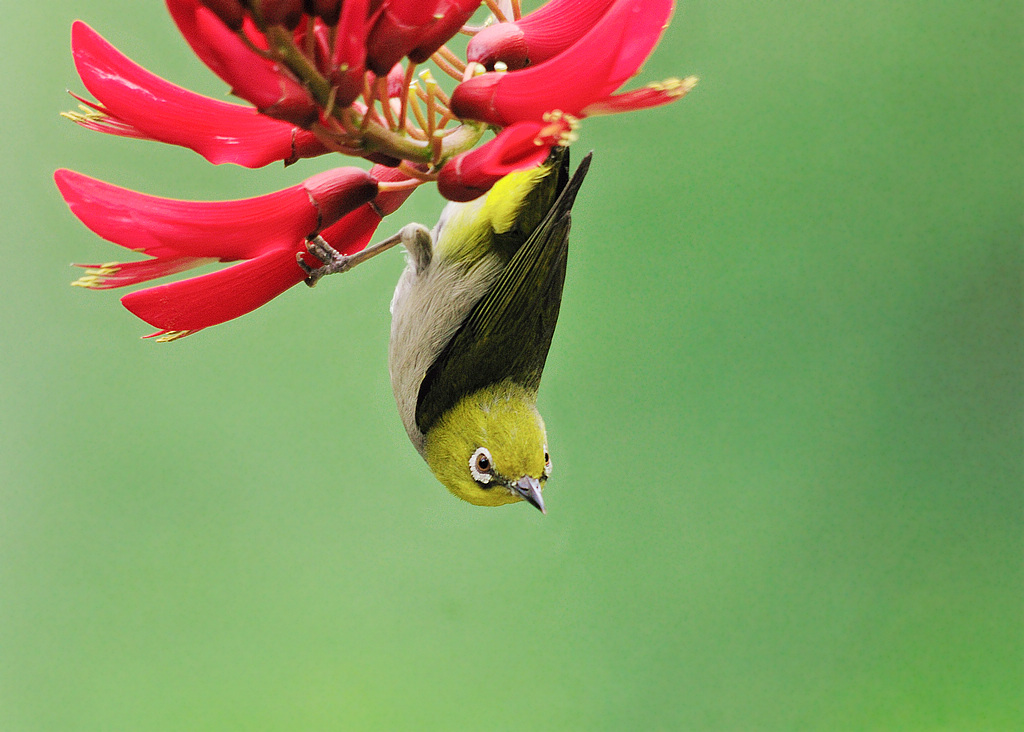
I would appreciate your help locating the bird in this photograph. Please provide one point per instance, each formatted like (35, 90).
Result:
(473, 316)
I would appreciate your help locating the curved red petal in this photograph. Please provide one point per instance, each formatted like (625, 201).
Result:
(446, 23)
(348, 61)
(652, 95)
(414, 28)
(199, 302)
(227, 230)
(219, 131)
(185, 15)
(336, 192)
(598, 64)
(518, 147)
(164, 227)
(537, 36)
(267, 85)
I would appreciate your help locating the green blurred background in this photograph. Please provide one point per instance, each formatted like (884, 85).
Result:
(784, 399)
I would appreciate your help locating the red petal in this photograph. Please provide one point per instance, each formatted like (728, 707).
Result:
(348, 62)
(597, 65)
(336, 192)
(156, 109)
(416, 28)
(538, 36)
(227, 230)
(652, 95)
(265, 84)
(193, 304)
(447, 21)
(199, 302)
(521, 146)
(353, 231)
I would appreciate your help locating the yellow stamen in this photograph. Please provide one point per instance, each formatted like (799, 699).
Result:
(431, 99)
(385, 102)
(414, 105)
(331, 100)
(401, 185)
(95, 276)
(406, 89)
(556, 120)
(89, 281)
(674, 87)
(173, 335)
(85, 116)
(473, 68)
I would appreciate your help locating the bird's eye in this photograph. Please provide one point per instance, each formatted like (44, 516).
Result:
(481, 467)
(547, 463)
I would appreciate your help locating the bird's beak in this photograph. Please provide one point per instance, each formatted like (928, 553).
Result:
(529, 488)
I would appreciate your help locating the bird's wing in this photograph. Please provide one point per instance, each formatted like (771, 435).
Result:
(507, 334)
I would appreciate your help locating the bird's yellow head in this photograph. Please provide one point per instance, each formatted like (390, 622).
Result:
(491, 447)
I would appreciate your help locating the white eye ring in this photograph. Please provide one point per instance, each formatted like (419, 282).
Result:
(547, 462)
(481, 466)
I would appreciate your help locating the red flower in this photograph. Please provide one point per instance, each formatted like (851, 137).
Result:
(268, 231)
(581, 79)
(521, 146)
(133, 102)
(329, 76)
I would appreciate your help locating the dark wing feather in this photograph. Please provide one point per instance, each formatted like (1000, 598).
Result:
(508, 332)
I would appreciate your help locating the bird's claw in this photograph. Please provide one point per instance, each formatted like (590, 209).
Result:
(333, 260)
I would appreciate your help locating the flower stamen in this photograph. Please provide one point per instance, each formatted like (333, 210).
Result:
(407, 82)
(94, 277)
(385, 103)
(167, 336)
(495, 9)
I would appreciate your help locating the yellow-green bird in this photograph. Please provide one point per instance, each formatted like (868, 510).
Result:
(472, 320)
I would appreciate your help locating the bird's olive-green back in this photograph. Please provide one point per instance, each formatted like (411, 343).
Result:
(507, 334)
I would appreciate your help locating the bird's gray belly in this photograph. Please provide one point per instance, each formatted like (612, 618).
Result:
(426, 311)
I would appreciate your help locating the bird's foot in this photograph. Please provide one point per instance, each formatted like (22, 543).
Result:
(333, 260)
(415, 237)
